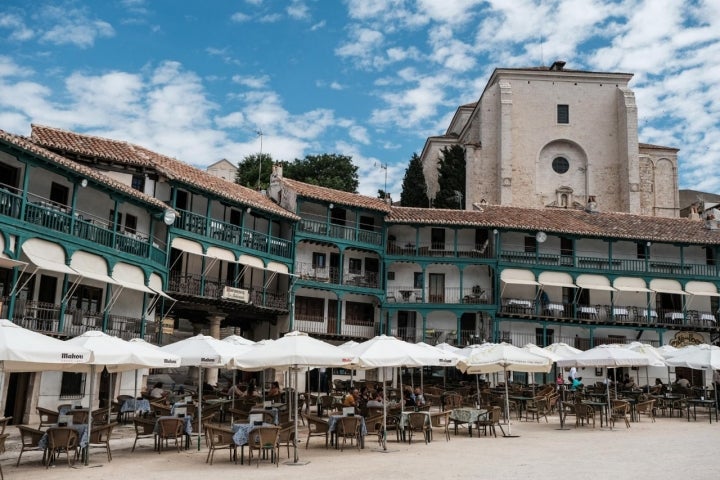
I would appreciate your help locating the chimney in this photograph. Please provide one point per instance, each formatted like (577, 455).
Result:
(693, 215)
(591, 206)
(277, 170)
(557, 66)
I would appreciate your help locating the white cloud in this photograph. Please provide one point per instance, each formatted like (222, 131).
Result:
(254, 82)
(270, 18)
(73, 27)
(361, 46)
(298, 10)
(319, 25)
(18, 30)
(239, 17)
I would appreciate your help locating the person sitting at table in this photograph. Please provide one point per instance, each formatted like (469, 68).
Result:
(628, 382)
(376, 400)
(157, 392)
(408, 399)
(419, 397)
(351, 399)
(560, 380)
(274, 392)
(237, 390)
(207, 388)
(658, 388)
(576, 384)
(681, 381)
(251, 390)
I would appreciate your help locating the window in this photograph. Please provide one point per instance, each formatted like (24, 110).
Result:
(418, 280)
(437, 239)
(391, 275)
(563, 114)
(59, 193)
(181, 200)
(357, 313)
(87, 299)
(482, 238)
(111, 220)
(318, 260)
(72, 385)
(641, 253)
(561, 165)
(355, 266)
(130, 223)
(310, 309)
(10, 176)
(566, 246)
(367, 223)
(530, 245)
(709, 257)
(138, 183)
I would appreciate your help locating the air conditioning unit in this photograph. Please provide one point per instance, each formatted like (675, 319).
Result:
(237, 294)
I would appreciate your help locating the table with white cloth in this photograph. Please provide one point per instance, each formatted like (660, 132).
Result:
(468, 416)
(674, 317)
(241, 434)
(649, 315)
(588, 312)
(520, 305)
(620, 313)
(708, 319)
(135, 405)
(80, 428)
(555, 309)
(275, 413)
(332, 426)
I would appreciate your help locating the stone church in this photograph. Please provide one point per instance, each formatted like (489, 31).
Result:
(558, 138)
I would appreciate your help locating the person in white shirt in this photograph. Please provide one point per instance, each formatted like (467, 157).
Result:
(682, 381)
(573, 374)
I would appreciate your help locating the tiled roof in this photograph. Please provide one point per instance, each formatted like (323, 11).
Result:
(562, 221)
(26, 145)
(126, 153)
(337, 197)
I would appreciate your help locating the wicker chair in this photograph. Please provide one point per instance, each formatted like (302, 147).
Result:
(442, 420)
(4, 423)
(48, 417)
(620, 411)
(348, 428)
(170, 429)
(286, 436)
(374, 425)
(62, 440)
(30, 441)
(100, 438)
(264, 439)
(419, 422)
(3, 437)
(647, 407)
(491, 420)
(536, 408)
(317, 427)
(144, 428)
(584, 413)
(220, 439)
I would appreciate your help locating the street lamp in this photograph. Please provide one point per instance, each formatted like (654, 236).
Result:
(384, 167)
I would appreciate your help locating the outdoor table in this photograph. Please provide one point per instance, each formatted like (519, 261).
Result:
(242, 433)
(332, 425)
(223, 403)
(467, 415)
(188, 427)
(135, 405)
(703, 402)
(555, 309)
(522, 403)
(275, 413)
(81, 428)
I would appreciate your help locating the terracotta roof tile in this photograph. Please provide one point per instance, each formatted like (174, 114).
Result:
(27, 145)
(337, 196)
(126, 153)
(650, 146)
(561, 221)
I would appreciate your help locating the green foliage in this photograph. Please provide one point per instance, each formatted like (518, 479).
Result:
(414, 188)
(451, 178)
(247, 173)
(326, 170)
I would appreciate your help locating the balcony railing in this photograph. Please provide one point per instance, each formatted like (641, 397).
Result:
(308, 271)
(434, 250)
(233, 234)
(192, 284)
(45, 318)
(350, 233)
(604, 264)
(520, 339)
(319, 325)
(452, 295)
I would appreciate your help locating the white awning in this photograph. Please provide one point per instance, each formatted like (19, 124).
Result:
(518, 277)
(186, 245)
(156, 286)
(704, 289)
(277, 267)
(221, 254)
(594, 282)
(130, 276)
(46, 255)
(664, 285)
(92, 267)
(251, 261)
(5, 261)
(630, 284)
(556, 279)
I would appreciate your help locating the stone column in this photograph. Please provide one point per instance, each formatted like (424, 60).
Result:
(211, 374)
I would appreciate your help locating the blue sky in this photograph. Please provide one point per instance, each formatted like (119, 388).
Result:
(367, 78)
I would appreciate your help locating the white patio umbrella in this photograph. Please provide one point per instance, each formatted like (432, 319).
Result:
(504, 357)
(610, 356)
(295, 350)
(202, 351)
(117, 355)
(698, 357)
(655, 358)
(532, 348)
(385, 351)
(238, 341)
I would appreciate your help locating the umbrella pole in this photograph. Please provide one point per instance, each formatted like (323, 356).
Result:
(200, 381)
(608, 394)
(507, 406)
(232, 395)
(385, 400)
(89, 418)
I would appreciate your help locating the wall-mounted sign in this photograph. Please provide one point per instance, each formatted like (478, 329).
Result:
(683, 339)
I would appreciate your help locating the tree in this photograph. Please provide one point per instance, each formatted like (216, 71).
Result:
(327, 170)
(247, 173)
(414, 188)
(451, 178)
